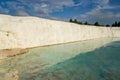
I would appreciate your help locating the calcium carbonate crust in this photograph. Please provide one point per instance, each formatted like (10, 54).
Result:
(26, 32)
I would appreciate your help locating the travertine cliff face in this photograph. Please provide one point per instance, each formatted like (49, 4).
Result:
(26, 32)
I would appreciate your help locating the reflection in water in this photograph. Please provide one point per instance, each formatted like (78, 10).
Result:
(86, 60)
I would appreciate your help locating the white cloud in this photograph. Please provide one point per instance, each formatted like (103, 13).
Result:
(101, 2)
(101, 16)
(101, 13)
(43, 5)
(43, 8)
(3, 10)
(40, 7)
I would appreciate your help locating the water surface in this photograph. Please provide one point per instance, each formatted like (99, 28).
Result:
(96, 59)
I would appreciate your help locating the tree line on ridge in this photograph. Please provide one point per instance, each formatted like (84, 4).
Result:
(114, 24)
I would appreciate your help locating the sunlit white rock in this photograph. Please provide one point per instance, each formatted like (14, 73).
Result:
(25, 32)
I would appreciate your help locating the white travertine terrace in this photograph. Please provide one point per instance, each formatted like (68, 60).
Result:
(26, 32)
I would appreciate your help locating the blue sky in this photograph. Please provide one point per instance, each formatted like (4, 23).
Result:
(103, 11)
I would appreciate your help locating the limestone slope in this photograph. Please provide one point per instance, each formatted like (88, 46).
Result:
(26, 32)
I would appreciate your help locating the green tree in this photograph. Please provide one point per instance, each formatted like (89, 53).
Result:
(119, 24)
(97, 24)
(116, 24)
(79, 22)
(75, 20)
(107, 25)
(70, 20)
(113, 25)
(86, 23)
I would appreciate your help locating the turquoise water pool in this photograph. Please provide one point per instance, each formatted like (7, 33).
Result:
(96, 59)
